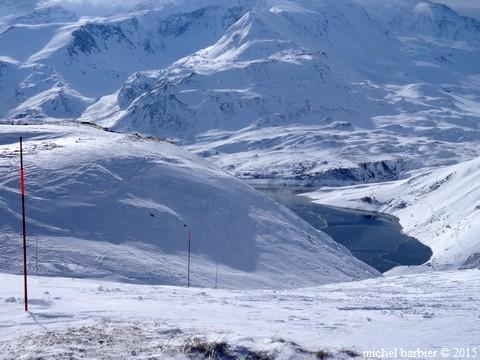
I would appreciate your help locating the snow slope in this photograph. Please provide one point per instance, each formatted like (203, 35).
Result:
(86, 318)
(107, 205)
(440, 207)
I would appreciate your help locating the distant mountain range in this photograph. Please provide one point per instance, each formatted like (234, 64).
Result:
(271, 89)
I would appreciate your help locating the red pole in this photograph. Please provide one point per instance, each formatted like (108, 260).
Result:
(22, 188)
(189, 246)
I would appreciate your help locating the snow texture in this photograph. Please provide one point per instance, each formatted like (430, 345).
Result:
(93, 319)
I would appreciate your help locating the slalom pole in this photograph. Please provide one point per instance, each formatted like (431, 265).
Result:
(189, 247)
(22, 188)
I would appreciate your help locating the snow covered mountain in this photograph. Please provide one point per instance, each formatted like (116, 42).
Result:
(82, 56)
(315, 89)
(309, 92)
(108, 205)
(141, 120)
(333, 83)
(440, 207)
